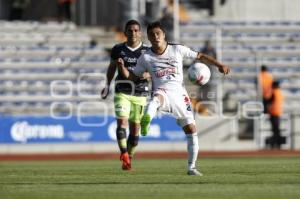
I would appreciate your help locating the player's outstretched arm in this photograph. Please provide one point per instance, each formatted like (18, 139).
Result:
(210, 60)
(123, 70)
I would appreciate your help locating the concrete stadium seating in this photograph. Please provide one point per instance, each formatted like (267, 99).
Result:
(33, 54)
(248, 44)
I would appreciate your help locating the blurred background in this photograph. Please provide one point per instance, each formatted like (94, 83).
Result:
(54, 55)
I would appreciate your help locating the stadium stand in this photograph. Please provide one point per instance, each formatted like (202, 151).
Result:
(35, 55)
(248, 44)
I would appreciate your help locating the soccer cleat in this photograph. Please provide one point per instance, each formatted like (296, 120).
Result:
(145, 124)
(126, 164)
(194, 172)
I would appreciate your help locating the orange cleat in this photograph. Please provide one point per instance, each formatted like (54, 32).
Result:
(126, 164)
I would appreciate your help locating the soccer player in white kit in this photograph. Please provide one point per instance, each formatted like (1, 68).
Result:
(164, 62)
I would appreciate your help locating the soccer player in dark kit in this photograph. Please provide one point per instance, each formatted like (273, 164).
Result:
(130, 97)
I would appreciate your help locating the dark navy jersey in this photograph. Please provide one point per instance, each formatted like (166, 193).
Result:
(130, 59)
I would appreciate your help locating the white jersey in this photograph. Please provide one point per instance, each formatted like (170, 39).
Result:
(166, 69)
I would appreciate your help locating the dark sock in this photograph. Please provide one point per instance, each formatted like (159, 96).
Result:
(121, 138)
(132, 143)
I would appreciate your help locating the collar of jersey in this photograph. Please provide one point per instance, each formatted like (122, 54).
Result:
(162, 52)
(133, 49)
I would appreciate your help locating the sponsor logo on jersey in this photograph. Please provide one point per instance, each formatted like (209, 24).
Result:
(130, 59)
(166, 71)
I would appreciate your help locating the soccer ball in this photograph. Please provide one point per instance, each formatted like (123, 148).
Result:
(199, 74)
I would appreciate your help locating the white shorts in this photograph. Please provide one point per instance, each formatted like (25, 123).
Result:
(177, 103)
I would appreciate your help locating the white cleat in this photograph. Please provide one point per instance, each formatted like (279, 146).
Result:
(194, 172)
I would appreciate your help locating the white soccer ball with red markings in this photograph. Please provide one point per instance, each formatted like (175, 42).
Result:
(199, 74)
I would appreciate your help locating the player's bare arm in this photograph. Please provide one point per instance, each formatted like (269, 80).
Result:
(109, 76)
(146, 75)
(123, 70)
(210, 60)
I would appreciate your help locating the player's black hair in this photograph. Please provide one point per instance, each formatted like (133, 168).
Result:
(264, 68)
(155, 24)
(276, 84)
(132, 22)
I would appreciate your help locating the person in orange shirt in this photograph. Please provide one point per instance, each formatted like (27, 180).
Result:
(266, 80)
(275, 111)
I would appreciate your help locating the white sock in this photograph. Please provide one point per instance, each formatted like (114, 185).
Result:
(193, 148)
(152, 107)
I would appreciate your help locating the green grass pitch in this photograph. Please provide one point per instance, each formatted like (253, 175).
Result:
(245, 178)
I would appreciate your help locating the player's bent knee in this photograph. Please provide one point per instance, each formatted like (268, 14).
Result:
(190, 129)
(122, 122)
